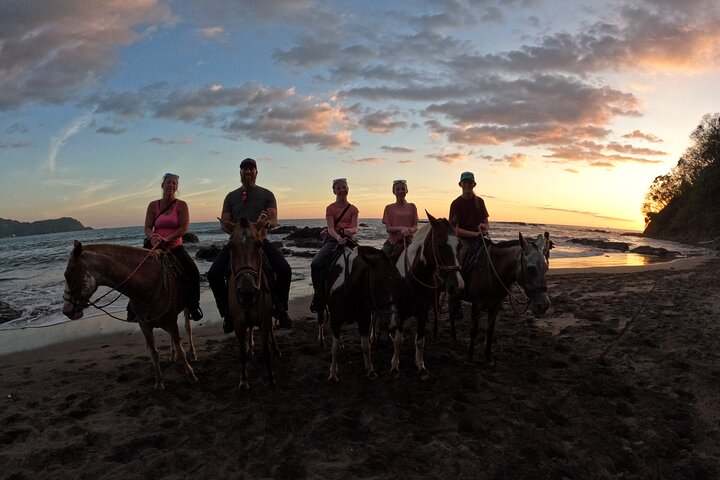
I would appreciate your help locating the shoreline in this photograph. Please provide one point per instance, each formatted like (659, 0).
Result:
(102, 329)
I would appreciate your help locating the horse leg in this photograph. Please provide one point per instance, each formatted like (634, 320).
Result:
(489, 332)
(267, 353)
(397, 345)
(273, 342)
(374, 329)
(321, 325)
(364, 327)
(172, 329)
(188, 331)
(240, 333)
(474, 328)
(150, 342)
(420, 346)
(336, 345)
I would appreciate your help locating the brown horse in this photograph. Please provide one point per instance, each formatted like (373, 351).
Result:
(488, 283)
(249, 296)
(429, 265)
(148, 279)
(362, 283)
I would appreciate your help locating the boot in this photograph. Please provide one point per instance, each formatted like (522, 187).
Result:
(228, 325)
(196, 313)
(456, 312)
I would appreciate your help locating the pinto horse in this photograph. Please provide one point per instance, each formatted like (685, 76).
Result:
(429, 266)
(489, 281)
(362, 283)
(249, 296)
(148, 279)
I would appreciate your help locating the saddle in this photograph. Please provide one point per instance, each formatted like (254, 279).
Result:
(473, 255)
(267, 271)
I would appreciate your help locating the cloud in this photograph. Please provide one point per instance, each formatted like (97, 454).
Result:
(381, 122)
(14, 143)
(16, 128)
(403, 150)
(163, 141)
(110, 130)
(366, 161)
(642, 136)
(59, 141)
(583, 212)
(449, 158)
(52, 49)
(211, 32)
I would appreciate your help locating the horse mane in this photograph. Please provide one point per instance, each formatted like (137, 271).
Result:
(244, 222)
(507, 244)
(418, 240)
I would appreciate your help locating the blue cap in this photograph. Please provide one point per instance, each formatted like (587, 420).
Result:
(467, 176)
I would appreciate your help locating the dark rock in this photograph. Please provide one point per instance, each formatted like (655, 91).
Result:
(279, 245)
(605, 245)
(363, 225)
(283, 229)
(208, 253)
(304, 254)
(308, 243)
(7, 313)
(190, 237)
(657, 251)
(305, 232)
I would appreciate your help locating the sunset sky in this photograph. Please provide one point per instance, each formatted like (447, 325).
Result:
(565, 110)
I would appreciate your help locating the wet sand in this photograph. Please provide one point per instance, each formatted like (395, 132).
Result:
(620, 379)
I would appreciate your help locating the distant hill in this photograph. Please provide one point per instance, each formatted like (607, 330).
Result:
(9, 228)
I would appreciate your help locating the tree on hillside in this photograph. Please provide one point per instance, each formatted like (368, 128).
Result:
(704, 151)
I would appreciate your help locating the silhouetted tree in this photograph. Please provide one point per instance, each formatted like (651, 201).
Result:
(704, 150)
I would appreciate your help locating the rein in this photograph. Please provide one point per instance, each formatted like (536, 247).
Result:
(527, 294)
(437, 281)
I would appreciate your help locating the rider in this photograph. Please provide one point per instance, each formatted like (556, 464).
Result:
(469, 214)
(400, 218)
(257, 204)
(166, 221)
(342, 224)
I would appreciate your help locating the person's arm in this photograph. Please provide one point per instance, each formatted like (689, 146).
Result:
(149, 220)
(485, 226)
(353, 228)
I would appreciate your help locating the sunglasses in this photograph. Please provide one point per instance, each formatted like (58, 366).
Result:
(395, 182)
(171, 175)
(339, 180)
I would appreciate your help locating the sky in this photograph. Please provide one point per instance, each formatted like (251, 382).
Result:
(565, 110)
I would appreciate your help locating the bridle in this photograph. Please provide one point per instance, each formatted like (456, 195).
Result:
(437, 278)
(254, 273)
(94, 303)
(529, 294)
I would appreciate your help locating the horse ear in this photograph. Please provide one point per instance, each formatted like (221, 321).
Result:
(432, 219)
(523, 242)
(77, 248)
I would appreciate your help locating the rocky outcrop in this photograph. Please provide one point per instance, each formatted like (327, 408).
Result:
(656, 251)
(305, 232)
(603, 244)
(13, 228)
(7, 313)
(190, 237)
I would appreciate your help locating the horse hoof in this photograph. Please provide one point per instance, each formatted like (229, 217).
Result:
(424, 375)
(371, 374)
(244, 386)
(396, 372)
(333, 378)
(193, 379)
(160, 386)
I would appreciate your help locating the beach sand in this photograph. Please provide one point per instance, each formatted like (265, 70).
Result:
(620, 379)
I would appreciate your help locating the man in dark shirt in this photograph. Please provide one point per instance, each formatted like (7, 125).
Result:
(257, 204)
(469, 212)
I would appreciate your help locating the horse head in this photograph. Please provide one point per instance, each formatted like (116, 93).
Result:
(533, 270)
(246, 241)
(440, 247)
(80, 284)
(382, 287)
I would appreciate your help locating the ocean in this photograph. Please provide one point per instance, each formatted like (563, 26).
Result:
(32, 282)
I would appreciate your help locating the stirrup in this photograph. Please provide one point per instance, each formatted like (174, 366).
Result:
(196, 313)
(228, 325)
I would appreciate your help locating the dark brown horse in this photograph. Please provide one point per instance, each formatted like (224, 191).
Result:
(362, 283)
(249, 296)
(148, 279)
(429, 265)
(488, 283)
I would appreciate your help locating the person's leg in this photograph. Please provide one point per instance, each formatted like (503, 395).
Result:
(317, 270)
(283, 277)
(216, 279)
(387, 248)
(192, 274)
(454, 305)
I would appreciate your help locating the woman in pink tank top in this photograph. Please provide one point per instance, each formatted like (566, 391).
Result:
(400, 219)
(166, 221)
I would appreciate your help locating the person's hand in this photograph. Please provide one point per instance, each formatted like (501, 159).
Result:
(156, 240)
(341, 240)
(263, 218)
(406, 231)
